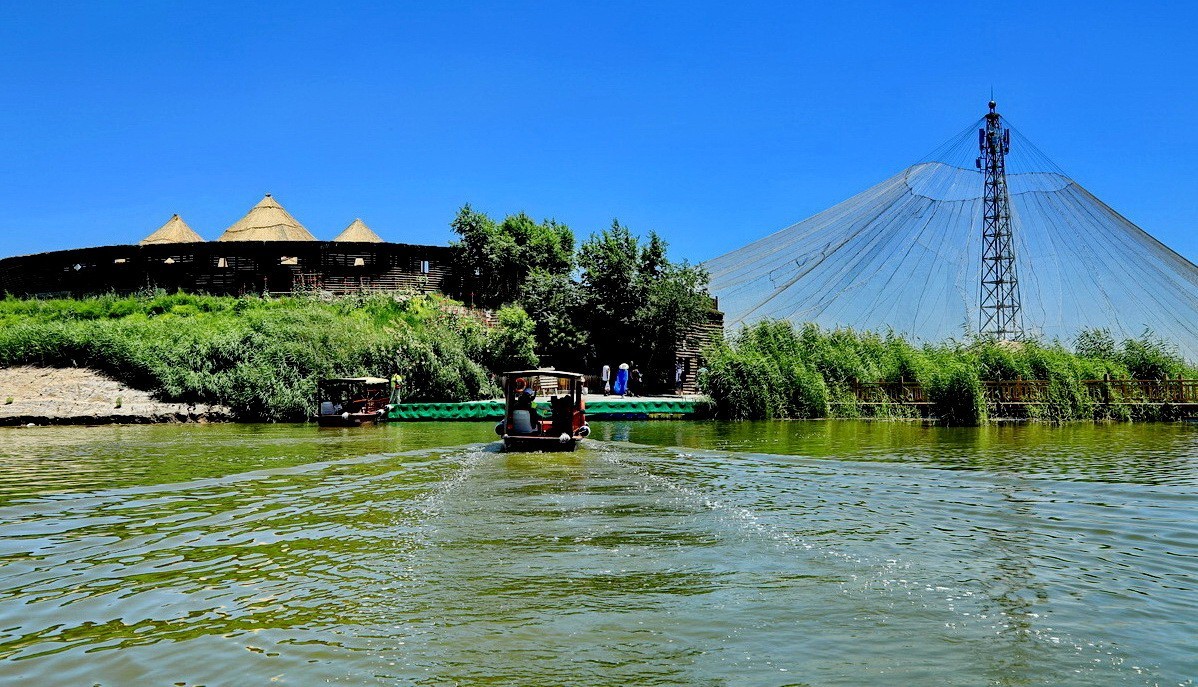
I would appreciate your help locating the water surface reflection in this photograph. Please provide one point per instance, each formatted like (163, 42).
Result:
(830, 553)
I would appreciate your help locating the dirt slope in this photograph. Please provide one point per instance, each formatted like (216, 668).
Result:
(80, 396)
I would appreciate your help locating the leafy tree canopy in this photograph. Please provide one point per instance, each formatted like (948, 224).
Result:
(641, 305)
(558, 306)
(493, 259)
(618, 298)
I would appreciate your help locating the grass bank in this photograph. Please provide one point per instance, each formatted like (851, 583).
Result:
(261, 357)
(773, 370)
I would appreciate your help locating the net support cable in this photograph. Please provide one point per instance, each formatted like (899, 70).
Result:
(906, 256)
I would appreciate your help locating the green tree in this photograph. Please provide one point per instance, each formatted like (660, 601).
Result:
(640, 305)
(676, 301)
(482, 256)
(547, 245)
(558, 305)
(610, 264)
(511, 344)
(492, 259)
(626, 301)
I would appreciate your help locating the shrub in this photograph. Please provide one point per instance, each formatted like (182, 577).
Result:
(260, 356)
(1150, 358)
(956, 394)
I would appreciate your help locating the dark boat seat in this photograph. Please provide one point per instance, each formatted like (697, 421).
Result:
(522, 422)
(562, 408)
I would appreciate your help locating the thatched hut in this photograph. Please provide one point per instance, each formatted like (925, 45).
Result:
(174, 231)
(267, 221)
(358, 232)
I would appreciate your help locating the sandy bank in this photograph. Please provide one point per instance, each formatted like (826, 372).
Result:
(80, 396)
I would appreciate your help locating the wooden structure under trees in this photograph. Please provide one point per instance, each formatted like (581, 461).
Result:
(689, 352)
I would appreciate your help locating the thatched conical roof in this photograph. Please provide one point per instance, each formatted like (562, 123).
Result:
(174, 231)
(267, 221)
(358, 231)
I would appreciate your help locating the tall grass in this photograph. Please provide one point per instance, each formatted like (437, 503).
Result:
(773, 370)
(263, 356)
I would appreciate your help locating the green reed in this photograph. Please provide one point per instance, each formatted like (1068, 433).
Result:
(775, 370)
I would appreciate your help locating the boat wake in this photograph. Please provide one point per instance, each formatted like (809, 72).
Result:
(852, 546)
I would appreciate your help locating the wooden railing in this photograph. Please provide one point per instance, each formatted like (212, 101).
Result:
(901, 392)
(1141, 391)
(1017, 392)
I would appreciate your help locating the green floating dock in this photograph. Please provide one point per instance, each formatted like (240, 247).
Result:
(657, 408)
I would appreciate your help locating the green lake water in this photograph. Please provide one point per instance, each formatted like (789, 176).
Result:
(667, 553)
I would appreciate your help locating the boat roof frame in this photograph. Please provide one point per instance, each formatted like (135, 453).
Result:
(354, 380)
(544, 373)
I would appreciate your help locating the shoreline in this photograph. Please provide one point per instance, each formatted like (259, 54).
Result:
(44, 396)
(81, 396)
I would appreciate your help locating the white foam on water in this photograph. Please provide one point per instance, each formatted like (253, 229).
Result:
(432, 505)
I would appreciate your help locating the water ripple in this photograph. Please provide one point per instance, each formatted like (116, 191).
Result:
(830, 554)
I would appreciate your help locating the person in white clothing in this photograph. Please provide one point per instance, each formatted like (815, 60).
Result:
(605, 375)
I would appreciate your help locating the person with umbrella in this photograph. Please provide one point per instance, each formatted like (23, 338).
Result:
(621, 385)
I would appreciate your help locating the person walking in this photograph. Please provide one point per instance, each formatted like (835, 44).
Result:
(678, 378)
(605, 375)
(621, 385)
(634, 380)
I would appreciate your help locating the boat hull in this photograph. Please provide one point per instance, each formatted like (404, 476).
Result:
(533, 444)
(354, 420)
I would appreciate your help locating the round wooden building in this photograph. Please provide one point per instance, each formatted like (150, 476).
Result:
(266, 251)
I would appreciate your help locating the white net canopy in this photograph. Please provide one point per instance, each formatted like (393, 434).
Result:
(905, 256)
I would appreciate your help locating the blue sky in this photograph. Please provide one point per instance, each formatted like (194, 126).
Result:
(711, 123)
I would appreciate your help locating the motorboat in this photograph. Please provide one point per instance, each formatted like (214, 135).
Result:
(352, 401)
(558, 424)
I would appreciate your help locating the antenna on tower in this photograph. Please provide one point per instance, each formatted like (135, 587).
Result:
(1000, 310)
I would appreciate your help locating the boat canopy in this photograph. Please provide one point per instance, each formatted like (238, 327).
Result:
(543, 373)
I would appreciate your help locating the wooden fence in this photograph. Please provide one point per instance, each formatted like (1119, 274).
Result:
(1015, 392)
(1144, 391)
(1027, 392)
(886, 393)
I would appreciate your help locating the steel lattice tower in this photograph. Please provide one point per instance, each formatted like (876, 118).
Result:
(999, 294)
